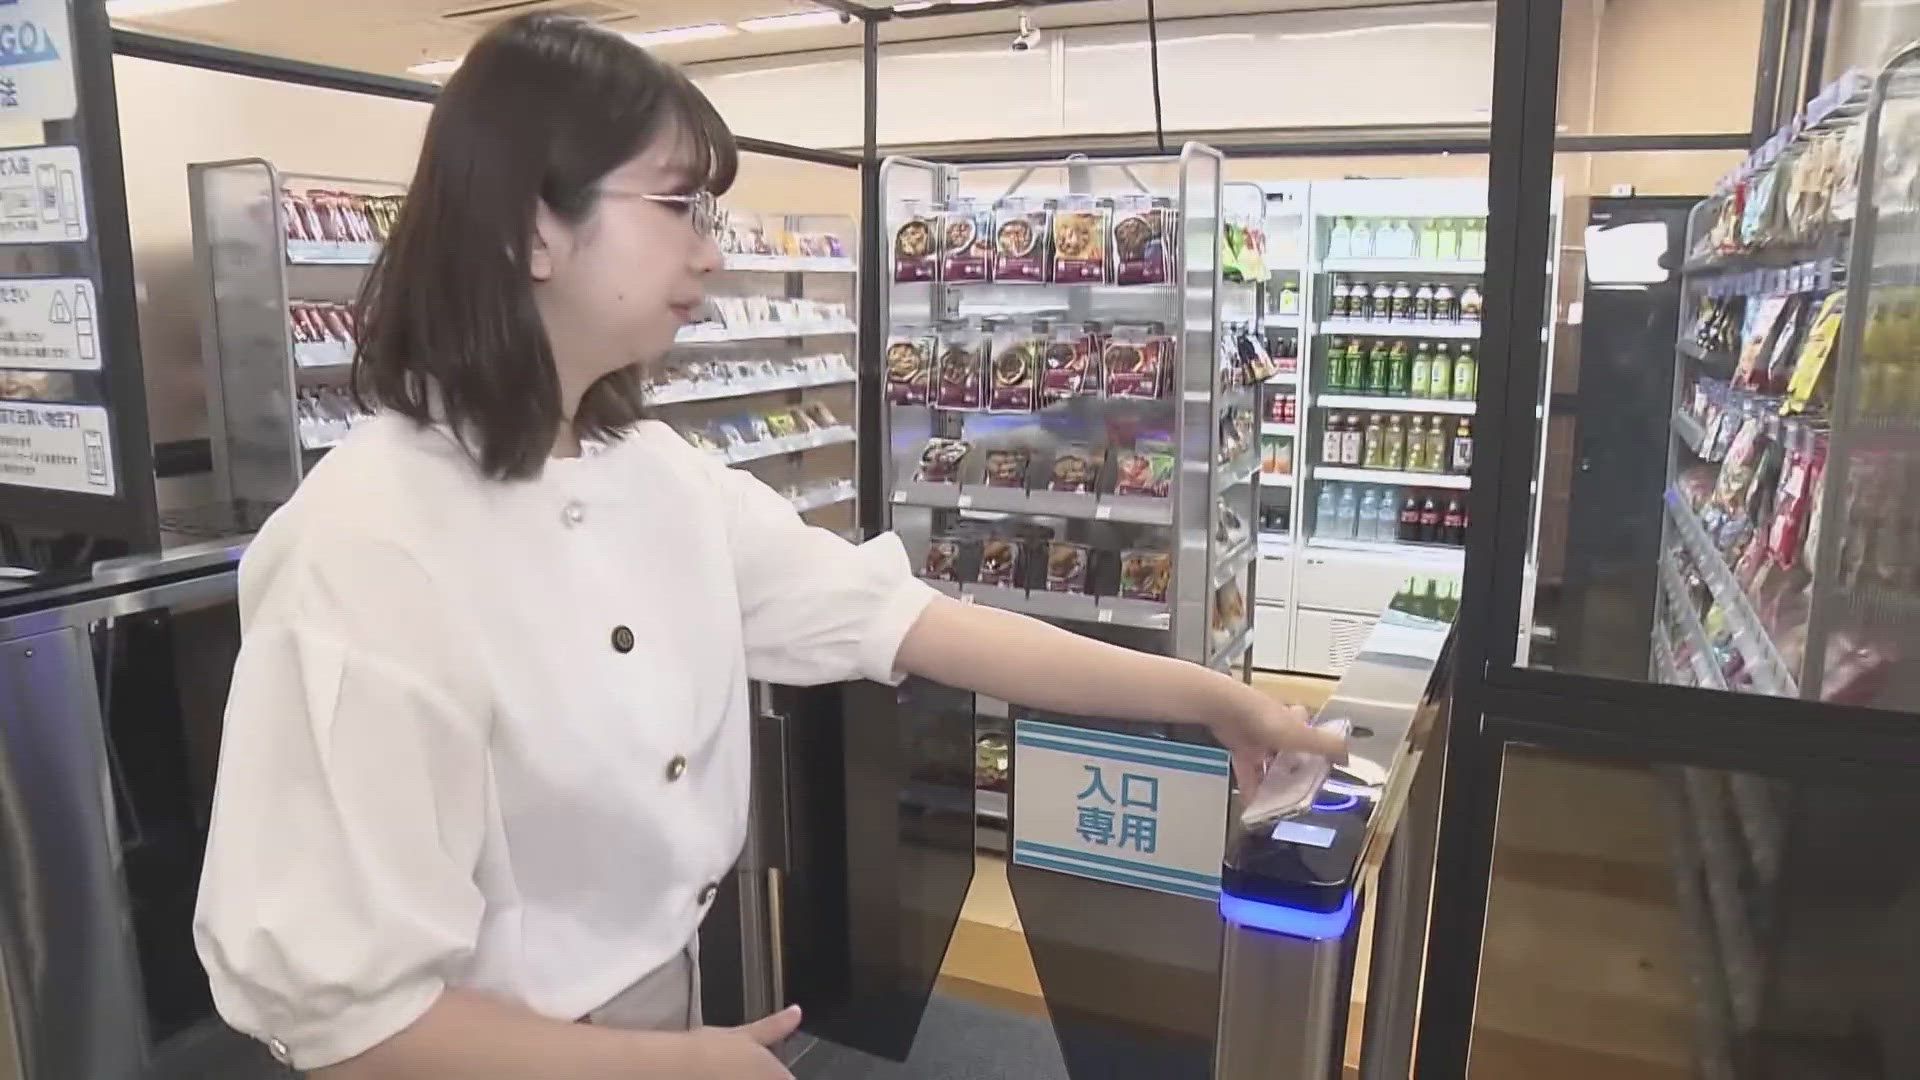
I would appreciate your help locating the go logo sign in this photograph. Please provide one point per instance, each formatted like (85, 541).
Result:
(25, 42)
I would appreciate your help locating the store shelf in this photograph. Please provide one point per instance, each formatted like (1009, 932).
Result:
(1236, 474)
(320, 355)
(1434, 331)
(1705, 355)
(1369, 403)
(1690, 432)
(830, 495)
(1067, 607)
(681, 393)
(1706, 671)
(1404, 266)
(1771, 674)
(697, 335)
(331, 253)
(1276, 480)
(789, 264)
(1234, 562)
(1275, 543)
(1123, 508)
(1271, 427)
(1389, 476)
(991, 805)
(1442, 555)
(793, 444)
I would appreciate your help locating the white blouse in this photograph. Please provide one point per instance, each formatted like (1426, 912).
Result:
(494, 734)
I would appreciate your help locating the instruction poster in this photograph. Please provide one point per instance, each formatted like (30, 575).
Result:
(49, 324)
(40, 195)
(56, 447)
(36, 61)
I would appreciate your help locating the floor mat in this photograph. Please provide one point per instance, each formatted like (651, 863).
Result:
(958, 1040)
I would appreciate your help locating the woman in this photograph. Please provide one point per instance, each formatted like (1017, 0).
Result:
(486, 745)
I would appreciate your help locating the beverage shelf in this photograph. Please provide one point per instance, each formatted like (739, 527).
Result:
(1370, 403)
(1274, 427)
(1771, 674)
(1690, 432)
(1276, 480)
(1434, 331)
(1390, 476)
(1442, 555)
(331, 252)
(1130, 509)
(1706, 672)
(681, 392)
(1404, 266)
(1068, 607)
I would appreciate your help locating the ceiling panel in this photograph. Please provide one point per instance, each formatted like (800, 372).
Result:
(388, 36)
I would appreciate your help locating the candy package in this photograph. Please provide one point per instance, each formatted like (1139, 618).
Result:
(967, 243)
(961, 372)
(1020, 246)
(909, 369)
(916, 254)
(940, 461)
(1144, 575)
(1067, 567)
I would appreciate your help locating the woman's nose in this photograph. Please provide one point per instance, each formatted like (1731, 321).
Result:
(707, 258)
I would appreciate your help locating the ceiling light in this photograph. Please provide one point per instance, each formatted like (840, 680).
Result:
(436, 67)
(680, 33)
(131, 9)
(796, 21)
(913, 5)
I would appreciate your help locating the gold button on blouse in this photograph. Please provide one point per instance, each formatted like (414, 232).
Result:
(676, 768)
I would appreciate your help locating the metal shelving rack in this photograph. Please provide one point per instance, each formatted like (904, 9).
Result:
(731, 376)
(1204, 560)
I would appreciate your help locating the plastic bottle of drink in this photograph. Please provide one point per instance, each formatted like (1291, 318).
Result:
(1330, 439)
(1336, 366)
(1462, 462)
(1399, 369)
(1350, 441)
(1453, 523)
(1340, 244)
(1430, 240)
(1442, 379)
(1437, 445)
(1447, 246)
(1430, 520)
(1373, 448)
(1417, 445)
(1362, 240)
(1404, 245)
(1381, 309)
(1422, 371)
(1466, 374)
(1387, 527)
(1396, 451)
(1326, 505)
(1346, 518)
(1409, 530)
(1368, 511)
(1355, 380)
(1379, 367)
(1338, 307)
(1423, 303)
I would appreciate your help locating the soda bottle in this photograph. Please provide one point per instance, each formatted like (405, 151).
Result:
(1422, 372)
(1453, 523)
(1410, 517)
(1398, 371)
(1430, 520)
(1379, 375)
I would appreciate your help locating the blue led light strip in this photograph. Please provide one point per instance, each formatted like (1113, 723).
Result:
(1291, 921)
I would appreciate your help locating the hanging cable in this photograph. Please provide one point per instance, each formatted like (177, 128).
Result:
(1153, 56)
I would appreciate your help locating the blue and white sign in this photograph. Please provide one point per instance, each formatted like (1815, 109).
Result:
(36, 61)
(1149, 813)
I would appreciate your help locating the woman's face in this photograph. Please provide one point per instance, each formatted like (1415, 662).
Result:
(613, 288)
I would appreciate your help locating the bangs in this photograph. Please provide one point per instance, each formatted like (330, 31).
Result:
(704, 146)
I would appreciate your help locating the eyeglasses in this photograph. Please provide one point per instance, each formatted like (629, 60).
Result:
(701, 208)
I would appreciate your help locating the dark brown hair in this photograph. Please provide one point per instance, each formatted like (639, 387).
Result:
(542, 109)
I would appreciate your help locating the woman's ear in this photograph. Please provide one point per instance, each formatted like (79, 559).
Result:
(547, 244)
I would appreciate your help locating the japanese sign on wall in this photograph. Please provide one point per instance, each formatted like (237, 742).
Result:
(1121, 808)
(40, 200)
(49, 324)
(36, 61)
(58, 447)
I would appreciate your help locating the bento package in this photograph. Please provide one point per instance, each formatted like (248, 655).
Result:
(1015, 374)
(1070, 367)
(916, 249)
(966, 243)
(1135, 363)
(1008, 468)
(1080, 228)
(1075, 469)
(940, 461)
(1023, 232)
(1067, 567)
(1000, 563)
(1142, 226)
(1144, 575)
(1146, 470)
(943, 560)
(910, 368)
(960, 376)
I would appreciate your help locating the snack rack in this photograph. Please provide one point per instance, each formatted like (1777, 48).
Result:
(280, 257)
(1788, 564)
(767, 381)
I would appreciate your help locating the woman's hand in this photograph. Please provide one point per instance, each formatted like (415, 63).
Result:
(742, 1053)
(1265, 728)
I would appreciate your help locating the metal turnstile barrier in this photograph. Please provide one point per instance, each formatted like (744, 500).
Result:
(1312, 902)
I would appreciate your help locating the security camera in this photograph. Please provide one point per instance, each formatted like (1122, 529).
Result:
(1028, 37)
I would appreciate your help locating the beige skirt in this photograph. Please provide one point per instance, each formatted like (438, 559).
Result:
(666, 1000)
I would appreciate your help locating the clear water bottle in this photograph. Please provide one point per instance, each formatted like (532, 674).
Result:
(1329, 501)
(1369, 510)
(1386, 524)
(1346, 518)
